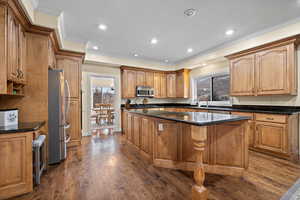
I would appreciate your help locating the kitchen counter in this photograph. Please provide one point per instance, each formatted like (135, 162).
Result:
(22, 127)
(194, 118)
(283, 110)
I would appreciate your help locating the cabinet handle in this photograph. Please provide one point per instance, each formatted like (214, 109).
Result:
(270, 118)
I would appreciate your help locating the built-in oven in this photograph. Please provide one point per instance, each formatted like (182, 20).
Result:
(144, 91)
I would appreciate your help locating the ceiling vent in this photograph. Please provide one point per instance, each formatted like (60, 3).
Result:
(190, 12)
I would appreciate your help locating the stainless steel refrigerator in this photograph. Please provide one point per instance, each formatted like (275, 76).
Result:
(58, 109)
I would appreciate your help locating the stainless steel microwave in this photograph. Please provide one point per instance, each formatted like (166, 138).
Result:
(144, 91)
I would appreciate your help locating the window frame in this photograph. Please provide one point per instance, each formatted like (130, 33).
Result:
(210, 76)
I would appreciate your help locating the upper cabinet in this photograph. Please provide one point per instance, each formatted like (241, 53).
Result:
(270, 69)
(171, 85)
(72, 73)
(166, 84)
(183, 83)
(13, 53)
(242, 76)
(129, 83)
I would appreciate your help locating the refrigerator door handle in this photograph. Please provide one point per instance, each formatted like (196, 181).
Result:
(67, 97)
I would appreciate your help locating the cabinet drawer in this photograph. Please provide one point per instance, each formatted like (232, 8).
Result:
(271, 118)
(244, 114)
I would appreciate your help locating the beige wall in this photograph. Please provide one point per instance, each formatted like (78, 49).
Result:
(88, 71)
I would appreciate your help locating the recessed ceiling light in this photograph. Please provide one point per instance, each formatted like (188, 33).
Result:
(190, 50)
(154, 41)
(229, 32)
(166, 61)
(204, 64)
(95, 47)
(135, 55)
(102, 27)
(190, 12)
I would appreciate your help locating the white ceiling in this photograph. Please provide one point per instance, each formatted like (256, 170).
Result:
(131, 24)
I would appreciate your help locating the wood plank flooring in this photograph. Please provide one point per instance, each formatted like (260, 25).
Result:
(109, 169)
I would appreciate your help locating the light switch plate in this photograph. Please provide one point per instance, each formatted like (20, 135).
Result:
(160, 127)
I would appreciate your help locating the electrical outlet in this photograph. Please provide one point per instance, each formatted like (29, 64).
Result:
(160, 127)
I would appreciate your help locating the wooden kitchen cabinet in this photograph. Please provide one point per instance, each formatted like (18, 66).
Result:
(269, 69)
(147, 130)
(22, 55)
(52, 58)
(163, 85)
(129, 83)
(271, 136)
(12, 46)
(165, 141)
(140, 78)
(136, 130)
(171, 85)
(129, 128)
(166, 84)
(150, 79)
(275, 71)
(72, 73)
(74, 118)
(16, 166)
(183, 83)
(242, 76)
(157, 85)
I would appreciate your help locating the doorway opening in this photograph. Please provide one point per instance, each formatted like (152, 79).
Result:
(103, 111)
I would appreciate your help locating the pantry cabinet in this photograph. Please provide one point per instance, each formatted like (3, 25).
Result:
(72, 74)
(270, 69)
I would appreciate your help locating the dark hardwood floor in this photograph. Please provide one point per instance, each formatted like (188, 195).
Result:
(109, 169)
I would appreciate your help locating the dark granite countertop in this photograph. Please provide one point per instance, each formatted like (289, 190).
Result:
(22, 127)
(283, 110)
(194, 118)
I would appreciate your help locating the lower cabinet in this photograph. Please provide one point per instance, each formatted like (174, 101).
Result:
(16, 164)
(147, 129)
(75, 123)
(165, 140)
(272, 137)
(129, 128)
(136, 130)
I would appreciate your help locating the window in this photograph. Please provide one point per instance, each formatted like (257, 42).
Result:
(102, 95)
(212, 88)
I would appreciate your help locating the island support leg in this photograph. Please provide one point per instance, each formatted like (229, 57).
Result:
(199, 137)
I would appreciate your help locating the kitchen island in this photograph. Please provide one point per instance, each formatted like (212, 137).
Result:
(193, 141)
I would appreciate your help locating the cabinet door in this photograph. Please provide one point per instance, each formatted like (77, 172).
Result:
(163, 86)
(272, 71)
(74, 119)
(242, 76)
(22, 54)
(147, 132)
(150, 79)
(129, 127)
(271, 137)
(140, 78)
(12, 47)
(16, 164)
(136, 130)
(124, 123)
(165, 140)
(157, 85)
(72, 73)
(183, 83)
(171, 85)
(129, 84)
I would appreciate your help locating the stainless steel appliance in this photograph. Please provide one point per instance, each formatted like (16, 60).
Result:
(58, 108)
(144, 91)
